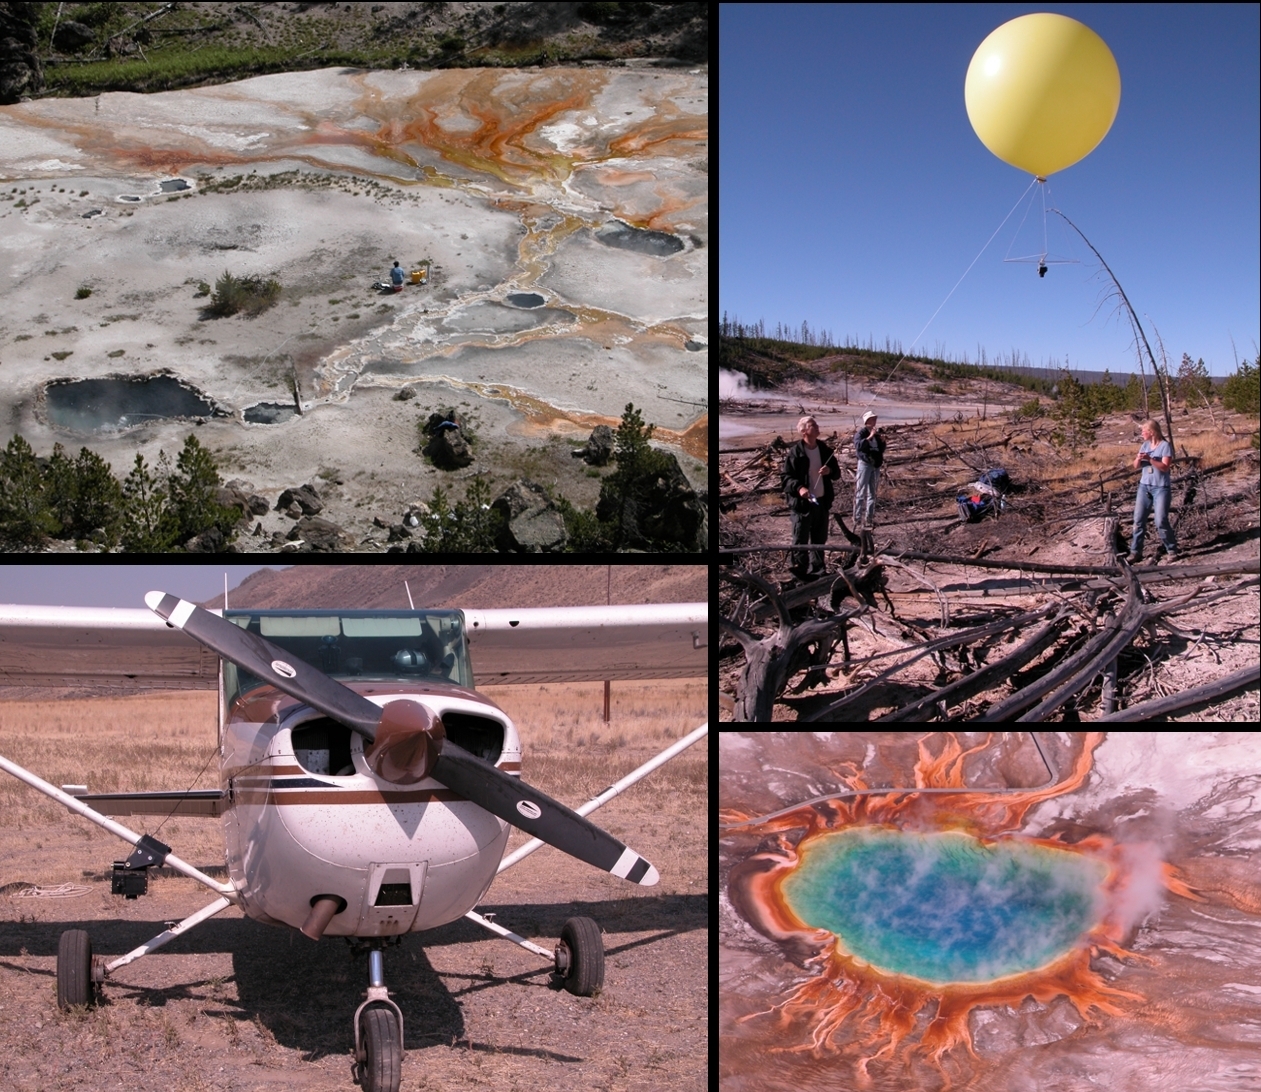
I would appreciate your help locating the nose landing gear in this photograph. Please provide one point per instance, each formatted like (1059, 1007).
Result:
(378, 1031)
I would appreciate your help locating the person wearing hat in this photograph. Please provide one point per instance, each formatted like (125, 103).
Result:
(809, 468)
(869, 447)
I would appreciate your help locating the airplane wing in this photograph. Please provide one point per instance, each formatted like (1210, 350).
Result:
(90, 646)
(95, 646)
(587, 644)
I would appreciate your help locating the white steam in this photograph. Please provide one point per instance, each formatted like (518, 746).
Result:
(1144, 890)
(733, 384)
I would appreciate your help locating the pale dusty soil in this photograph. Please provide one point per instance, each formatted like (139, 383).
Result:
(235, 1005)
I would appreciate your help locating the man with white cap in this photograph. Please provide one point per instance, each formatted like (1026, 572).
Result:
(869, 447)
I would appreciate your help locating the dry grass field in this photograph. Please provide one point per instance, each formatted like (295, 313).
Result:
(236, 1005)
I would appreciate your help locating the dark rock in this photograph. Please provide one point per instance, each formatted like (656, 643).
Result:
(405, 395)
(72, 37)
(377, 521)
(532, 523)
(258, 529)
(258, 505)
(208, 542)
(445, 417)
(398, 532)
(277, 539)
(449, 450)
(294, 511)
(305, 497)
(671, 512)
(20, 73)
(229, 497)
(321, 535)
(599, 447)
(447, 446)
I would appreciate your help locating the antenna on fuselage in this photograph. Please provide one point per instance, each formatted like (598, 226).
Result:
(409, 595)
(225, 590)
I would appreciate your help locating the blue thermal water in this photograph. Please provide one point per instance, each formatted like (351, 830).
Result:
(945, 907)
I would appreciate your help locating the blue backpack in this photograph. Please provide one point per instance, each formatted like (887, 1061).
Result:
(998, 479)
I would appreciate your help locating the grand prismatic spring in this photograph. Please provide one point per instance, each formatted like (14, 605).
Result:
(1010, 939)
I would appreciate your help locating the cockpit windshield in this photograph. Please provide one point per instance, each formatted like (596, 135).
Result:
(408, 645)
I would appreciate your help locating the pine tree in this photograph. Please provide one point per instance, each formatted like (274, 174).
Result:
(25, 518)
(192, 487)
(148, 524)
(1072, 413)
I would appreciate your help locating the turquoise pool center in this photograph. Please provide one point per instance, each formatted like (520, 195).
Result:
(945, 907)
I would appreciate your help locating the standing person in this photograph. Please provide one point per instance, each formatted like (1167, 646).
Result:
(1155, 457)
(809, 468)
(869, 447)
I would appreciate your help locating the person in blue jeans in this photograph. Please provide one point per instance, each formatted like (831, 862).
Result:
(1155, 458)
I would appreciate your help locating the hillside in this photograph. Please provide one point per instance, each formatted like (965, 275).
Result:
(84, 49)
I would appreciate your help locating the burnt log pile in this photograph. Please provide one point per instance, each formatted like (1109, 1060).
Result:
(1086, 648)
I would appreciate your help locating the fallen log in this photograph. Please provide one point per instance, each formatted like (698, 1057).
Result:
(963, 637)
(980, 680)
(1242, 679)
(1066, 679)
(1130, 623)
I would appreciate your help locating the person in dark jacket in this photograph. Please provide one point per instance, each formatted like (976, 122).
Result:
(869, 447)
(809, 468)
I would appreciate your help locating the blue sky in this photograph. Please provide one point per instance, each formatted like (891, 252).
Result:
(115, 585)
(854, 192)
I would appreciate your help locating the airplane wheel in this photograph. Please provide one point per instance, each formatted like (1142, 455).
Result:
(74, 969)
(383, 1066)
(584, 975)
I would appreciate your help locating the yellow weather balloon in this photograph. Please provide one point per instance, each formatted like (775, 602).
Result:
(1042, 91)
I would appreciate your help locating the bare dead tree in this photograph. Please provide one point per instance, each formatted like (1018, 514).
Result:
(1162, 380)
(770, 662)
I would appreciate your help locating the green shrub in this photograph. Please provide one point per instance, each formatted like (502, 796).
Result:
(83, 293)
(1242, 391)
(252, 295)
(470, 527)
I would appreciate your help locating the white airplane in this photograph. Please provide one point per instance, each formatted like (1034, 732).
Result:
(366, 788)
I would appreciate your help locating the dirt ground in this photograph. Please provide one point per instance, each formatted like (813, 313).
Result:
(235, 1005)
(1057, 513)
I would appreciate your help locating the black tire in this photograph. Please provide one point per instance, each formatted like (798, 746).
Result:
(585, 976)
(383, 1064)
(74, 969)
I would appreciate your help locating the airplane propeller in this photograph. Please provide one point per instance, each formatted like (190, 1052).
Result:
(406, 743)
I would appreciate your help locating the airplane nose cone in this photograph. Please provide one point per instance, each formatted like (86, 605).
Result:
(407, 744)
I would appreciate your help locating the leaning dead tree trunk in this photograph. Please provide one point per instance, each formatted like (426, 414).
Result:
(1243, 679)
(771, 661)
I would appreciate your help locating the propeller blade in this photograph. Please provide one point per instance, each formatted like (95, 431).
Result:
(408, 742)
(528, 809)
(269, 662)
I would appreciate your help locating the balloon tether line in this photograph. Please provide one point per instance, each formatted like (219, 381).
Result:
(960, 280)
(1162, 380)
